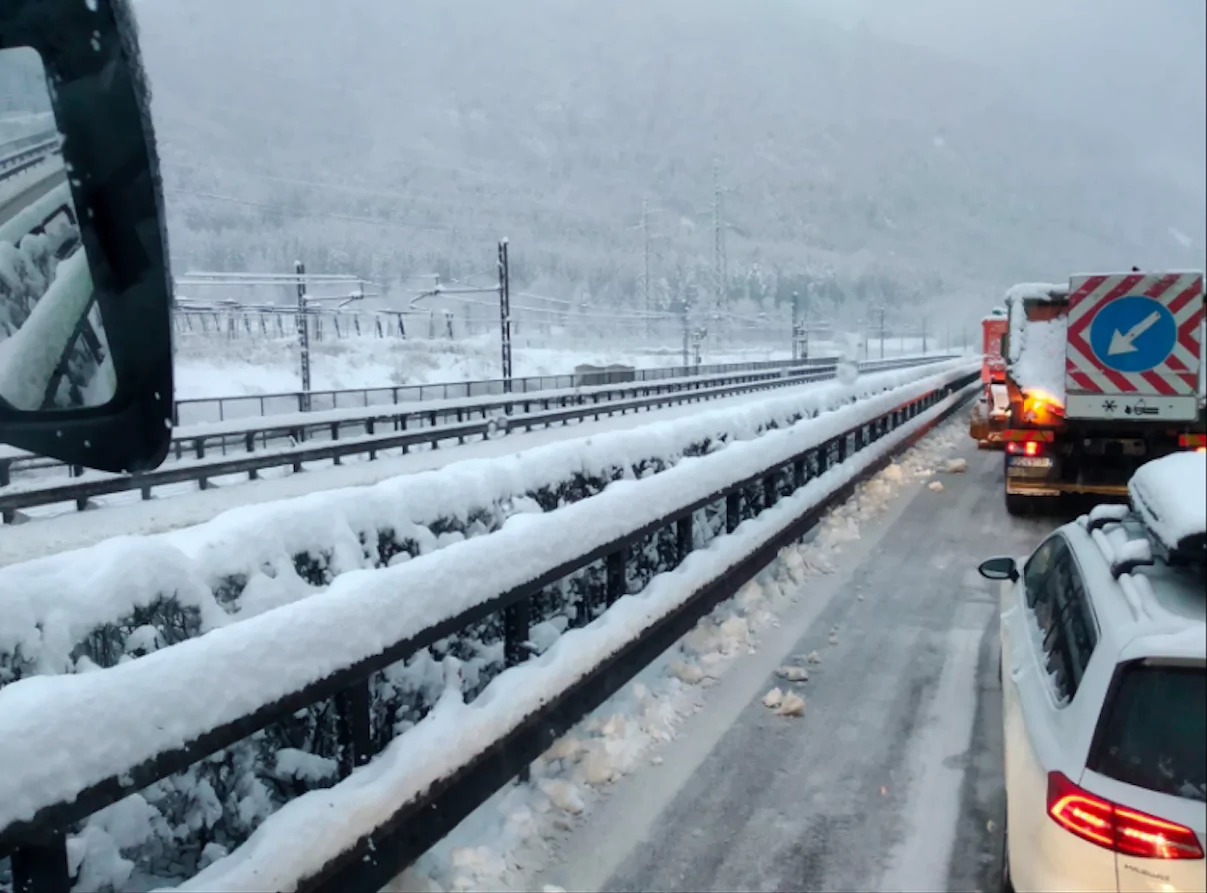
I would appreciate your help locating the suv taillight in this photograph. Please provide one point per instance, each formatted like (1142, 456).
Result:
(1115, 827)
(1196, 442)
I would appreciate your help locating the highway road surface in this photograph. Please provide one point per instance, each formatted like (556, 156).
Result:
(891, 780)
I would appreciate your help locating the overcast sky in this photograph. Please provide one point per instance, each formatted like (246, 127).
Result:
(1134, 68)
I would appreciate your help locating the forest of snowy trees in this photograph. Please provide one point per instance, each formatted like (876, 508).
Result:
(390, 140)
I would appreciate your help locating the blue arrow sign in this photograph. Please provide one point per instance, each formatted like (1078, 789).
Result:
(1133, 334)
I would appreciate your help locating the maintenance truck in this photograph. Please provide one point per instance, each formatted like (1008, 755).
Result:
(1103, 374)
(991, 412)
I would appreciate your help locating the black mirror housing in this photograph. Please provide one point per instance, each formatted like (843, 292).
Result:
(101, 107)
(1002, 568)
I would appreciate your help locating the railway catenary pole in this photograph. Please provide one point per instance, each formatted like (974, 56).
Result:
(505, 313)
(795, 326)
(303, 335)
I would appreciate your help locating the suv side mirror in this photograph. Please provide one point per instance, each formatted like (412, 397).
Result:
(999, 569)
(85, 290)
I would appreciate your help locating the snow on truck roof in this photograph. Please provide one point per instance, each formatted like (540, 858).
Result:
(1036, 291)
(1170, 496)
(1037, 347)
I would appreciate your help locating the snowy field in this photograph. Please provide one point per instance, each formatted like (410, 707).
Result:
(214, 368)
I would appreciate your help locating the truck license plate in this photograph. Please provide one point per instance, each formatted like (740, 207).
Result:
(1031, 461)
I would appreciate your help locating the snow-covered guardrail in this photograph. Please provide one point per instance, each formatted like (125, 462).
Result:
(201, 410)
(17, 155)
(407, 426)
(88, 607)
(631, 569)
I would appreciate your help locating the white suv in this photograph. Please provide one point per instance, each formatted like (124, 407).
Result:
(1104, 657)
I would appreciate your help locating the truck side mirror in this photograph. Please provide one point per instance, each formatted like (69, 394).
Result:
(85, 290)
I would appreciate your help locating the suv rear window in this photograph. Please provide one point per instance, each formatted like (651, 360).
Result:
(1153, 734)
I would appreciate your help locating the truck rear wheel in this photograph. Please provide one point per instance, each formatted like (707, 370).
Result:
(1018, 505)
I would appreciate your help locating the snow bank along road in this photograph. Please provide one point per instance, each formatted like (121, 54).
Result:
(891, 779)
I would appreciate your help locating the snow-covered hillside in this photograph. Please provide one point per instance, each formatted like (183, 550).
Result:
(401, 138)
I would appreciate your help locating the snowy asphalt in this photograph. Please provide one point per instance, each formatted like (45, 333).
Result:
(892, 779)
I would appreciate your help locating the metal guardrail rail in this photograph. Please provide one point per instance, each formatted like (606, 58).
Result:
(17, 155)
(411, 426)
(38, 845)
(245, 435)
(200, 410)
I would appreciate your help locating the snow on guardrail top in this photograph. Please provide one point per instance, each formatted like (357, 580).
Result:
(1170, 495)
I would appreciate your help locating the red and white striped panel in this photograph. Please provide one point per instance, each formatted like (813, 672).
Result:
(1181, 293)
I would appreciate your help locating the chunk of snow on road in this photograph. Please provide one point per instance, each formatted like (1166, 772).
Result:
(562, 794)
(813, 658)
(792, 705)
(956, 466)
(936, 486)
(793, 674)
(566, 748)
(685, 672)
(773, 699)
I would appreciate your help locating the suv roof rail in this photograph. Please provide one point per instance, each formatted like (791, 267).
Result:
(1102, 515)
(1131, 555)
(1134, 551)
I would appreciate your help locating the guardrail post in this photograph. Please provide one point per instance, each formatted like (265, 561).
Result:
(335, 436)
(5, 475)
(798, 473)
(616, 583)
(42, 868)
(733, 508)
(683, 536)
(516, 620)
(769, 494)
(352, 711)
(516, 645)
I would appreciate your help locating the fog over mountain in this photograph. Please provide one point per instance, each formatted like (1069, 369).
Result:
(880, 150)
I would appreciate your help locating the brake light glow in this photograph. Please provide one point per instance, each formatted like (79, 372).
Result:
(1024, 448)
(1197, 442)
(1115, 827)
